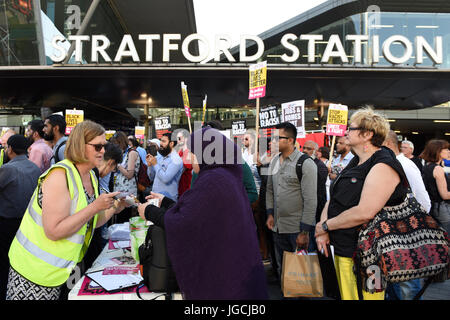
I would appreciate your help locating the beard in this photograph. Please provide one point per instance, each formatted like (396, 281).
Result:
(49, 137)
(165, 151)
(30, 141)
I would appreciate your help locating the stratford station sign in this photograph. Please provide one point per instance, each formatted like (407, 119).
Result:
(99, 44)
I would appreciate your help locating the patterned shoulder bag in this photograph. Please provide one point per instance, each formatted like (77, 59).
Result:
(401, 243)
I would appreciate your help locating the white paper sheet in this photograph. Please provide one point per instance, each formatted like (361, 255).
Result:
(115, 281)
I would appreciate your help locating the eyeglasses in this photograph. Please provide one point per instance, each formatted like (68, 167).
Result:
(98, 147)
(308, 148)
(276, 138)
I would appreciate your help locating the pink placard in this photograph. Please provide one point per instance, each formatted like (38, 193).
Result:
(336, 130)
(257, 92)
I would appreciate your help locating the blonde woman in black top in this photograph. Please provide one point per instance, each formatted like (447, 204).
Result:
(369, 182)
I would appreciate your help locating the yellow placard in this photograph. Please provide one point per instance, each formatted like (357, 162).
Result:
(73, 117)
(337, 117)
(184, 93)
(337, 120)
(257, 80)
(109, 134)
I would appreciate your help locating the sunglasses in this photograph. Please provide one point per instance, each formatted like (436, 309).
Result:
(98, 147)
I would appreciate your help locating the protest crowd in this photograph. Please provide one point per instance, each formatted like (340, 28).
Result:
(227, 209)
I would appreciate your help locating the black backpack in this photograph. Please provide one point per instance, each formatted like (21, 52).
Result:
(298, 167)
(156, 267)
(56, 155)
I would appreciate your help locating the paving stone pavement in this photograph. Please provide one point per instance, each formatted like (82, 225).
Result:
(436, 291)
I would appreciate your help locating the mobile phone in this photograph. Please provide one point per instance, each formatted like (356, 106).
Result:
(152, 149)
(121, 195)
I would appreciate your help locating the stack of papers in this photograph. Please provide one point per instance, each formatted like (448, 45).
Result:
(115, 281)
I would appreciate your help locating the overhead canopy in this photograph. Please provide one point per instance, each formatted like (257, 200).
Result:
(155, 17)
(120, 87)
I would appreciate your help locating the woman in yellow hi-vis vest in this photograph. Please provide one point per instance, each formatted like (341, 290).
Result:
(58, 224)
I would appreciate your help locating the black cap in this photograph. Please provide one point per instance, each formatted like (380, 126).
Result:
(18, 143)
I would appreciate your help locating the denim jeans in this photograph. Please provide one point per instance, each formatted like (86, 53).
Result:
(404, 290)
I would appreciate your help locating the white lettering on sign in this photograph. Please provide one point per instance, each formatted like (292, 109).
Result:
(334, 49)
(238, 127)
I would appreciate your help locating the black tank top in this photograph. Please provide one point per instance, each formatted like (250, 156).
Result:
(430, 182)
(345, 193)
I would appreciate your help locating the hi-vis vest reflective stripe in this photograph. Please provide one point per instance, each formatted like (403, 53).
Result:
(39, 259)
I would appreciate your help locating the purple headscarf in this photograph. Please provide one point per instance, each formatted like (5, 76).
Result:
(211, 234)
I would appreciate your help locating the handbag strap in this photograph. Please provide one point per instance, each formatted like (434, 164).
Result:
(428, 281)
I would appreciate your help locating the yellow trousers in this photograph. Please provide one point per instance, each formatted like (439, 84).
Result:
(347, 281)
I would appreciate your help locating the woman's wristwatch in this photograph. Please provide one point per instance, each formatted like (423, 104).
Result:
(325, 226)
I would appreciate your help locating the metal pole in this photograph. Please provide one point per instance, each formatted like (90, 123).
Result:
(146, 125)
(84, 24)
(39, 33)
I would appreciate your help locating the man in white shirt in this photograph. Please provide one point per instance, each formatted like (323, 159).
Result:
(341, 161)
(408, 289)
(248, 156)
(412, 172)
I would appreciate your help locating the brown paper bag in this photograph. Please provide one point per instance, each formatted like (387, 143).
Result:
(301, 276)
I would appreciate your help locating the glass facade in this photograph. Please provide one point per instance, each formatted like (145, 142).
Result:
(67, 16)
(384, 25)
(18, 37)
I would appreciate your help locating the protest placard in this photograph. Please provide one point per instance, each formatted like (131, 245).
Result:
(204, 109)
(139, 132)
(268, 117)
(109, 134)
(162, 125)
(258, 80)
(337, 120)
(187, 108)
(294, 112)
(336, 124)
(239, 127)
(73, 117)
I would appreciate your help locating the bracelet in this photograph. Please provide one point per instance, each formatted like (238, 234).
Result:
(304, 232)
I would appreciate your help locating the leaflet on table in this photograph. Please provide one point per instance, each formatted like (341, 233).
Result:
(90, 288)
(110, 259)
(112, 282)
(118, 244)
(121, 270)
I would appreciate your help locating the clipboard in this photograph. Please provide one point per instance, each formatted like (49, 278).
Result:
(114, 282)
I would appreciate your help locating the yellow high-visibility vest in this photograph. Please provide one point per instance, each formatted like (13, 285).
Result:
(2, 155)
(41, 260)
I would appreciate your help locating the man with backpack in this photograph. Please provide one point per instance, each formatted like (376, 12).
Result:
(291, 202)
(54, 131)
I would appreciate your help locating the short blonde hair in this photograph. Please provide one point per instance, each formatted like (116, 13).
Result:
(83, 133)
(371, 121)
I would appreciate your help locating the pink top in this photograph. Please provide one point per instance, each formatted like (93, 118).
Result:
(40, 153)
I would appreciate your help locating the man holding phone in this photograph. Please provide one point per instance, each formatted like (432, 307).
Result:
(165, 170)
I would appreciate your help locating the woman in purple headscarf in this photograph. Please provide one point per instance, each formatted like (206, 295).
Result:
(210, 231)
